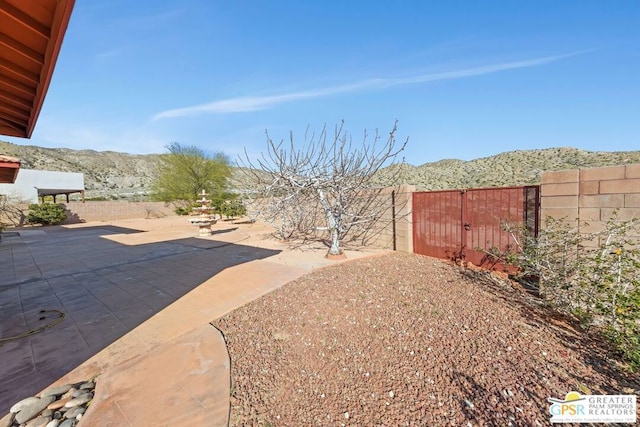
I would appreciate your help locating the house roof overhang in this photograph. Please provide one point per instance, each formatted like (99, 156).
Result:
(31, 34)
(9, 167)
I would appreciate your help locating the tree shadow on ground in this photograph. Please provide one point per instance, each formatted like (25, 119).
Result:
(105, 289)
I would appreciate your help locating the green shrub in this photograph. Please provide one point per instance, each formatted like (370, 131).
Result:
(46, 214)
(181, 210)
(233, 208)
(594, 277)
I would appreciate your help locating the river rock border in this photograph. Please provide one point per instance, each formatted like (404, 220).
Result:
(58, 406)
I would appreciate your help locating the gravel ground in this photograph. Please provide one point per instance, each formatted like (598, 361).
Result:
(400, 340)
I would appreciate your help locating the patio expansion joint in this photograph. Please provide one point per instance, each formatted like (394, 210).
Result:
(187, 391)
(75, 323)
(26, 326)
(123, 414)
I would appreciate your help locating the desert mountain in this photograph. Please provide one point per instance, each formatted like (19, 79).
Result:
(115, 175)
(106, 173)
(522, 167)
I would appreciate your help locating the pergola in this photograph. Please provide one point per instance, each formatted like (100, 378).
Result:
(31, 34)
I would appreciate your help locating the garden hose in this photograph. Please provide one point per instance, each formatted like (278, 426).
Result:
(59, 318)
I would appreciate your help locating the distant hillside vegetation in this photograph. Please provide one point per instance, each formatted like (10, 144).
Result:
(522, 167)
(120, 175)
(106, 173)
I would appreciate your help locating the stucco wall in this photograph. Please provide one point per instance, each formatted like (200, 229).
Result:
(29, 181)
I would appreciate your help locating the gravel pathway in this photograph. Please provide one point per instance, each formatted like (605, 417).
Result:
(402, 339)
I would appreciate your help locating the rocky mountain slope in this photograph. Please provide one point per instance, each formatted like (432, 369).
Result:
(110, 174)
(522, 167)
(106, 173)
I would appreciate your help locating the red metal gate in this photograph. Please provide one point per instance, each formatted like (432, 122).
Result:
(464, 224)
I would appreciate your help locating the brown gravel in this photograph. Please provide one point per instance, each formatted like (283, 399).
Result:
(403, 339)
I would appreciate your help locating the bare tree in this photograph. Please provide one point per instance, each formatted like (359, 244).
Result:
(331, 174)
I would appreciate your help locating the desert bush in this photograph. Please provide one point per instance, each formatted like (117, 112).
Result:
(233, 208)
(46, 214)
(185, 171)
(592, 276)
(181, 210)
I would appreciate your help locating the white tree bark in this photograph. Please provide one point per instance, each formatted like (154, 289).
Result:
(339, 175)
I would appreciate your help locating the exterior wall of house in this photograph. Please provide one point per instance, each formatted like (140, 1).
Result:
(28, 181)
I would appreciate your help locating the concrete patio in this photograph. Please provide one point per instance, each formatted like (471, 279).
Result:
(138, 296)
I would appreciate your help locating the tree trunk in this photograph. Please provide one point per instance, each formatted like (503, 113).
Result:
(335, 242)
(332, 223)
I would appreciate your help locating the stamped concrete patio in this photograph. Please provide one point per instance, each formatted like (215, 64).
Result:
(137, 297)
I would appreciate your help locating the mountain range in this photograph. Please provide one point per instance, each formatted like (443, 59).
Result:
(114, 175)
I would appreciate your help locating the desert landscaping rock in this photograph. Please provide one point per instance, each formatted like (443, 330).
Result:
(33, 409)
(7, 420)
(77, 401)
(87, 386)
(18, 406)
(56, 391)
(403, 339)
(76, 392)
(68, 401)
(39, 422)
(74, 412)
(58, 403)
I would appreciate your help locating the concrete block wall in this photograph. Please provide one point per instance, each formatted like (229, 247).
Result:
(115, 210)
(403, 223)
(393, 231)
(559, 192)
(93, 211)
(591, 196)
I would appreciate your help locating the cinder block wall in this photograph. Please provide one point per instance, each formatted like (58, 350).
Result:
(115, 210)
(404, 223)
(559, 192)
(591, 195)
(390, 232)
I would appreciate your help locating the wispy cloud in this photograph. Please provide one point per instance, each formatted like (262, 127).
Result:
(254, 103)
(108, 55)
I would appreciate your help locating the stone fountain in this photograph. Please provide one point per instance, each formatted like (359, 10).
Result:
(205, 219)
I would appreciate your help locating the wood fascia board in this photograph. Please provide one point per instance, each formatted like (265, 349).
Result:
(59, 26)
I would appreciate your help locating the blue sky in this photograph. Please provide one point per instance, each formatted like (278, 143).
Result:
(464, 79)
